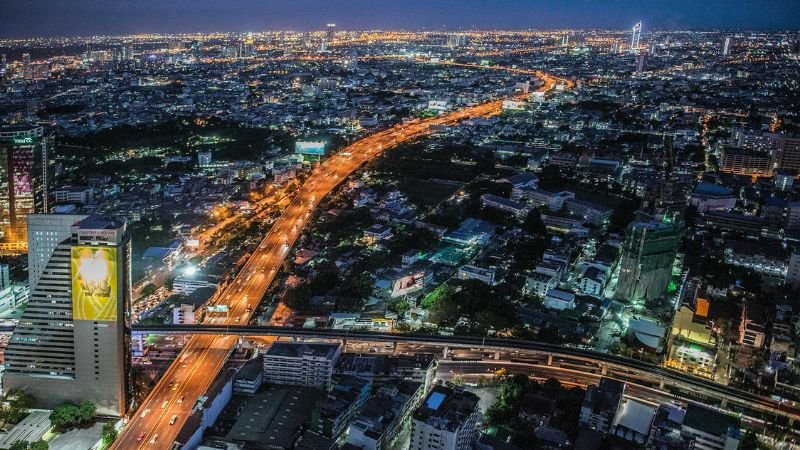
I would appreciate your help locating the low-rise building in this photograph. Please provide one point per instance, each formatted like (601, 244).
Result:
(384, 414)
(301, 363)
(342, 404)
(600, 404)
(559, 300)
(710, 429)
(445, 421)
(469, 272)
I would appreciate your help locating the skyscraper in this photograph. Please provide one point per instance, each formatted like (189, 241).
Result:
(71, 343)
(24, 181)
(726, 48)
(27, 70)
(648, 253)
(637, 33)
(330, 34)
(641, 61)
(455, 40)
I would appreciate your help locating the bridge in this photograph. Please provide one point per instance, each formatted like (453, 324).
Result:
(635, 371)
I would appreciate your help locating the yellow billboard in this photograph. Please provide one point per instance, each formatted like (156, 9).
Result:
(94, 283)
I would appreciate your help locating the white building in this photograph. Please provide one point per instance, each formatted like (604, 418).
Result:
(559, 300)
(301, 363)
(445, 420)
(183, 314)
(71, 341)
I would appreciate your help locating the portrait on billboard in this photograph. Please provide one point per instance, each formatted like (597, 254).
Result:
(94, 283)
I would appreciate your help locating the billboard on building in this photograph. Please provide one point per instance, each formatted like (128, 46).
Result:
(94, 283)
(408, 284)
(310, 148)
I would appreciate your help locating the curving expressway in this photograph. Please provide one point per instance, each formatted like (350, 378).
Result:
(158, 420)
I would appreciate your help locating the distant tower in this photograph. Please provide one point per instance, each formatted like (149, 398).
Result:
(27, 71)
(637, 33)
(726, 48)
(641, 62)
(456, 40)
(331, 32)
(565, 40)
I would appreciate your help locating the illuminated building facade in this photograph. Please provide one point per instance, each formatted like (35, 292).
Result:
(637, 34)
(24, 181)
(70, 344)
(648, 254)
(330, 33)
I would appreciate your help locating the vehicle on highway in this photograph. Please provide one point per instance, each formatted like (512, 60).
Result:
(153, 441)
(140, 437)
(173, 419)
(144, 413)
(164, 405)
(180, 400)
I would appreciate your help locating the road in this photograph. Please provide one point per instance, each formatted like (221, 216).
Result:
(169, 404)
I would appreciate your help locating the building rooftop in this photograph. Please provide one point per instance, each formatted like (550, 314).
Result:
(708, 420)
(98, 222)
(300, 349)
(446, 408)
(711, 189)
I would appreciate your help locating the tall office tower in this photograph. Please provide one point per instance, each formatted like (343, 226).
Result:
(793, 270)
(565, 40)
(641, 62)
(648, 253)
(72, 341)
(351, 63)
(787, 154)
(445, 420)
(455, 40)
(27, 70)
(637, 33)
(24, 181)
(330, 33)
(3, 62)
(726, 48)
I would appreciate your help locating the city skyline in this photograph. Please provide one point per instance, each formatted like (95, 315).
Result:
(60, 18)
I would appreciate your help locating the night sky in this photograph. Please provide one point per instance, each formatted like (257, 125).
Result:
(25, 18)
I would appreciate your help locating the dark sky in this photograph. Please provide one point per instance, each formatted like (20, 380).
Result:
(22, 18)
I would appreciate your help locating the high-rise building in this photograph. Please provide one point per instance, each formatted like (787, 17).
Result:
(787, 155)
(726, 47)
(24, 181)
(793, 271)
(445, 420)
(27, 70)
(330, 33)
(204, 159)
(641, 62)
(455, 40)
(745, 161)
(71, 343)
(637, 34)
(648, 254)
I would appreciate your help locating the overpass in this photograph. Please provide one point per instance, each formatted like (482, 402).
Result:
(631, 370)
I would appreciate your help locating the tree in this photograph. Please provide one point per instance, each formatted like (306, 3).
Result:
(19, 445)
(14, 406)
(749, 441)
(64, 415)
(39, 445)
(533, 224)
(69, 415)
(87, 411)
(109, 434)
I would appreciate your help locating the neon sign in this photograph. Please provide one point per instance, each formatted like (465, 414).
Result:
(26, 140)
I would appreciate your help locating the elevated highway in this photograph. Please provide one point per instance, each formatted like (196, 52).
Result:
(166, 409)
(534, 353)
